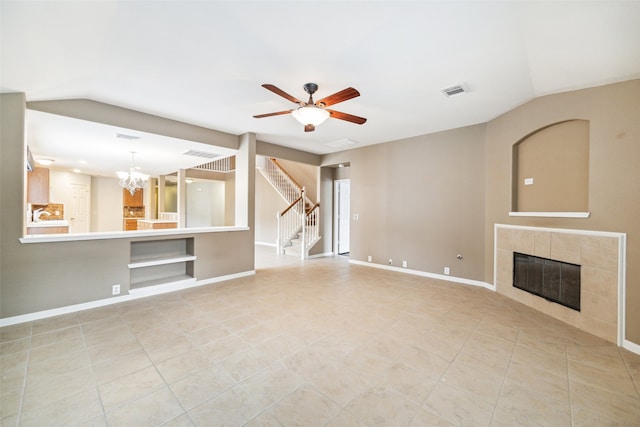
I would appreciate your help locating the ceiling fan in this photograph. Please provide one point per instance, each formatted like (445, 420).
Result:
(311, 113)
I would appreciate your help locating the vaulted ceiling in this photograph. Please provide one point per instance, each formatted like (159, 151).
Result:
(204, 62)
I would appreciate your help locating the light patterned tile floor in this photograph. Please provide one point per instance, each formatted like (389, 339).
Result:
(319, 343)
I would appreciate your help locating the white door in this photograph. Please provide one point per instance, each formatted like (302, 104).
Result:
(343, 200)
(74, 192)
(78, 209)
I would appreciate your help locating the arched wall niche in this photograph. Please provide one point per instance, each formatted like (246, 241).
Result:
(551, 169)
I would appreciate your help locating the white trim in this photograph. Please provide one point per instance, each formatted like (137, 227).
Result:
(336, 205)
(563, 230)
(631, 346)
(322, 255)
(136, 294)
(426, 274)
(622, 258)
(622, 289)
(72, 237)
(271, 245)
(553, 214)
(161, 261)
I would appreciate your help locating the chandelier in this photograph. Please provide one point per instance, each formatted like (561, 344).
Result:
(132, 180)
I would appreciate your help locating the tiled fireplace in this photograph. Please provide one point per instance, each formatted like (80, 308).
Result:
(601, 256)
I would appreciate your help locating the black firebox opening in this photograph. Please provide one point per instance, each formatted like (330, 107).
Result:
(556, 281)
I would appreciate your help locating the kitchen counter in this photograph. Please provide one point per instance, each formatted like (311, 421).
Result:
(57, 226)
(156, 224)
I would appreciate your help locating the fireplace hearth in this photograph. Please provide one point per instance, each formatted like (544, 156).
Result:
(553, 280)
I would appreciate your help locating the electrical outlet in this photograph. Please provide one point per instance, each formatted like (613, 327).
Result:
(369, 258)
(404, 264)
(446, 271)
(390, 261)
(528, 181)
(115, 290)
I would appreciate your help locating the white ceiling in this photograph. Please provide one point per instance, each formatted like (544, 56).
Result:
(204, 62)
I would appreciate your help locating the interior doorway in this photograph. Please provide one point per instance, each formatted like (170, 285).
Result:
(342, 191)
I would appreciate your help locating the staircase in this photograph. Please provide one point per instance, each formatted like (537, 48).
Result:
(298, 224)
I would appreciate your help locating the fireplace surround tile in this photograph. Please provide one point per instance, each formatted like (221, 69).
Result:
(596, 252)
(542, 244)
(565, 247)
(600, 252)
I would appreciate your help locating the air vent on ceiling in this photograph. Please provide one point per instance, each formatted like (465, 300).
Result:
(127, 137)
(203, 154)
(456, 90)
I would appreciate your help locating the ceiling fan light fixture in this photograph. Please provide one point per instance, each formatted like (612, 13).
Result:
(310, 115)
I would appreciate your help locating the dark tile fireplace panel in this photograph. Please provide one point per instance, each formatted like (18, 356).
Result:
(556, 281)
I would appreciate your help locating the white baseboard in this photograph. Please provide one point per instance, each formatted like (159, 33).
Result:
(631, 346)
(133, 295)
(272, 245)
(322, 255)
(426, 274)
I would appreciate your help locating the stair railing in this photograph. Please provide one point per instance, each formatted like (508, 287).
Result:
(290, 223)
(286, 186)
(296, 218)
(311, 230)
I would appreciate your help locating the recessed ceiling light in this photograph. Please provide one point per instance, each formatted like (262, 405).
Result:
(45, 162)
(82, 162)
(76, 170)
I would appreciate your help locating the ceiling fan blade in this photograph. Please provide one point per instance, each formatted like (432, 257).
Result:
(259, 116)
(309, 128)
(282, 93)
(341, 96)
(348, 117)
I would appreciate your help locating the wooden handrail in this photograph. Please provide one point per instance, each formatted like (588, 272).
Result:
(275, 162)
(290, 206)
(313, 207)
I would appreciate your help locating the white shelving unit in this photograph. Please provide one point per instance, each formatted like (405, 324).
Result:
(161, 262)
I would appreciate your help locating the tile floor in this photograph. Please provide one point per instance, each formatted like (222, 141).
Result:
(324, 344)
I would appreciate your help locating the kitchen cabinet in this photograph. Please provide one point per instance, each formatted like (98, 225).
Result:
(133, 201)
(38, 186)
(130, 224)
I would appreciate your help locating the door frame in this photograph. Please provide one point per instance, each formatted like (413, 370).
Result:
(336, 214)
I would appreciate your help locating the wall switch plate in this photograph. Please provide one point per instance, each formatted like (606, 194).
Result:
(528, 181)
(446, 271)
(369, 258)
(115, 290)
(390, 261)
(356, 217)
(404, 264)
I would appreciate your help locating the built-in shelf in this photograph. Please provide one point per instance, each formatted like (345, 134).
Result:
(164, 281)
(552, 214)
(161, 262)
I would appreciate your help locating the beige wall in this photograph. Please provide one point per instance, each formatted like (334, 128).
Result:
(556, 158)
(268, 204)
(613, 112)
(420, 200)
